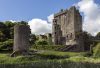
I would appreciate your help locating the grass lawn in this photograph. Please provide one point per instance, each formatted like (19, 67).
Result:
(45, 55)
(49, 59)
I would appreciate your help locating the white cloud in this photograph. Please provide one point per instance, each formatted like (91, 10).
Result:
(13, 21)
(91, 11)
(91, 22)
(39, 26)
(50, 18)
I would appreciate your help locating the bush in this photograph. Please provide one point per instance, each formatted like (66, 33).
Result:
(87, 54)
(41, 42)
(7, 45)
(96, 50)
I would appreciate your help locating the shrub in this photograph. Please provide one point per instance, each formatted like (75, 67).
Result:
(7, 45)
(96, 50)
(41, 42)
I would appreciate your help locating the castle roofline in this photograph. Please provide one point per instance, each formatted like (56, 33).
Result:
(62, 11)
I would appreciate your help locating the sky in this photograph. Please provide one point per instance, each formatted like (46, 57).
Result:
(39, 13)
(29, 9)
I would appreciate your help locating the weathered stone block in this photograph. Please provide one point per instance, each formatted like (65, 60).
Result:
(21, 39)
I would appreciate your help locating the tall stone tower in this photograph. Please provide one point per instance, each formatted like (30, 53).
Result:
(67, 29)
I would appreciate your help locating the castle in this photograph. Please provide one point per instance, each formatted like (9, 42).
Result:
(67, 29)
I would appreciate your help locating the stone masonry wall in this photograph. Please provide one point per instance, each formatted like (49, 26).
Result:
(21, 38)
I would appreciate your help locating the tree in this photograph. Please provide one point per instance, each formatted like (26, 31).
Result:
(88, 40)
(10, 29)
(98, 34)
(33, 39)
(96, 50)
(42, 42)
(1, 36)
(9, 24)
(97, 37)
(23, 23)
(3, 31)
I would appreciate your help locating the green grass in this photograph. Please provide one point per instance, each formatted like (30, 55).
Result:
(58, 53)
(52, 64)
(45, 55)
(32, 62)
(49, 59)
(40, 55)
(47, 47)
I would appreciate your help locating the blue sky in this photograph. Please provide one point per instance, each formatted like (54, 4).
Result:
(29, 9)
(38, 12)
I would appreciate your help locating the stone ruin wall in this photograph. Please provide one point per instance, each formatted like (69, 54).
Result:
(21, 38)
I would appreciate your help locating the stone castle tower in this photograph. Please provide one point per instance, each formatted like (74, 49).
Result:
(67, 29)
